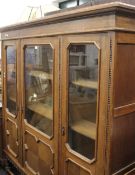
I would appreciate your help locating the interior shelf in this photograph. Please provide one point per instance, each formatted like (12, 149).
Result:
(12, 98)
(81, 100)
(86, 83)
(85, 128)
(42, 109)
(41, 74)
(77, 54)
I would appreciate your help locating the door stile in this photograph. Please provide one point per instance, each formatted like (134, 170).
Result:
(19, 99)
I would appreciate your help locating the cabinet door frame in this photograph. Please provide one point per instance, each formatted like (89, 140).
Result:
(40, 137)
(8, 116)
(68, 155)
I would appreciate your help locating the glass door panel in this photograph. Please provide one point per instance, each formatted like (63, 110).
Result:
(39, 87)
(11, 79)
(83, 84)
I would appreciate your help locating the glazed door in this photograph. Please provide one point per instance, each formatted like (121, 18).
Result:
(83, 106)
(40, 105)
(11, 103)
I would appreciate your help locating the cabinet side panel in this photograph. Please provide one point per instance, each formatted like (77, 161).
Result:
(124, 75)
(123, 136)
(123, 149)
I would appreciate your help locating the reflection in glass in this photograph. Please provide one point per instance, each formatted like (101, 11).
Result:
(83, 84)
(38, 87)
(83, 2)
(11, 79)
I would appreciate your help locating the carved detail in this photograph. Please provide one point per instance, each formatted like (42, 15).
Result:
(31, 169)
(12, 152)
(8, 135)
(36, 138)
(80, 166)
(38, 141)
(79, 155)
(109, 104)
(10, 114)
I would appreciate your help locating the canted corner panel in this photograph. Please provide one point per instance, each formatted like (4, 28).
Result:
(12, 137)
(39, 156)
(75, 169)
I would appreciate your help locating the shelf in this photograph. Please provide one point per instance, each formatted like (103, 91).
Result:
(86, 83)
(81, 100)
(42, 109)
(78, 54)
(41, 74)
(85, 128)
(12, 99)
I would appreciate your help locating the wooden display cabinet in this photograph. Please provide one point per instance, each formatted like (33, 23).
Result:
(69, 92)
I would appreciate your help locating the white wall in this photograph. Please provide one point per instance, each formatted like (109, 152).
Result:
(15, 11)
(12, 11)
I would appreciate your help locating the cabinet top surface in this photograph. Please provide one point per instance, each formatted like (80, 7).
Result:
(76, 13)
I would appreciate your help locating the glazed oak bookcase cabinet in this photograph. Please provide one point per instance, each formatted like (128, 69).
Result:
(69, 92)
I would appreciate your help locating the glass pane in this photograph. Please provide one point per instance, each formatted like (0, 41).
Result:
(11, 79)
(83, 84)
(68, 4)
(38, 87)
